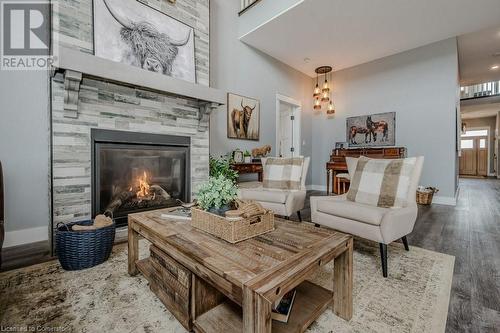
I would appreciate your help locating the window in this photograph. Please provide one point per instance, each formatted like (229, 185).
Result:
(475, 133)
(467, 144)
(482, 143)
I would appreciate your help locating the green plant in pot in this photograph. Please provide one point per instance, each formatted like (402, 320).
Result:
(222, 166)
(217, 194)
(247, 156)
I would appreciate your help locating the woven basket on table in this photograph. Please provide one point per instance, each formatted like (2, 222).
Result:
(425, 197)
(83, 249)
(232, 231)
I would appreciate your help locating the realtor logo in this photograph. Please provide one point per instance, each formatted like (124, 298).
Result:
(25, 37)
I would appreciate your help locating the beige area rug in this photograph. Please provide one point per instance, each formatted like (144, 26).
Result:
(106, 299)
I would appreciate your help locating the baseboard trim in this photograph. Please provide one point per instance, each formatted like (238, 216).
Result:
(25, 236)
(441, 200)
(313, 187)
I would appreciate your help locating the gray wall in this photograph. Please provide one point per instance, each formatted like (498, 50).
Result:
(421, 87)
(238, 68)
(24, 150)
(491, 123)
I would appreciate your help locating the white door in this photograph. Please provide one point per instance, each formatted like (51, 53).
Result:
(288, 133)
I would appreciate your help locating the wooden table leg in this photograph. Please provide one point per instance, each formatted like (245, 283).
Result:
(342, 283)
(133, 250)
(260, 176)
(328, 171)
(335, 182)
(256, 313)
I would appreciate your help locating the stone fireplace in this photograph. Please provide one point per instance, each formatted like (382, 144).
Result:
(150, 147)
(133, 172)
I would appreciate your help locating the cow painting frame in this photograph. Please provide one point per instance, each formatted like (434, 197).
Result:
(373, 130)
(243, 117)
(119, 26)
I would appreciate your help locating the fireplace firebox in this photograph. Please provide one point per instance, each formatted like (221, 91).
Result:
(133, 172)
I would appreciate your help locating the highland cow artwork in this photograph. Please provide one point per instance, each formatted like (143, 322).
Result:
(243, 115)
(130, 32)
(372, 130)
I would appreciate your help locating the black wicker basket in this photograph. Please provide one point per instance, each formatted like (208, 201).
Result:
(83, 249)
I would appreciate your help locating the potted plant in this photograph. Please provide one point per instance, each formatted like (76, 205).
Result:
(248, 156)
(222, 166)
(217, 194)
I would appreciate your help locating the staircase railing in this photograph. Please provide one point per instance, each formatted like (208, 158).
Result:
(247, 4)
(480, 90)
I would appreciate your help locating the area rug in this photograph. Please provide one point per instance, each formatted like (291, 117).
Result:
(414, 298)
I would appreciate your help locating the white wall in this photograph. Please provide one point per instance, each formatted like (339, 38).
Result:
(421, 87)
(24, 152)
(238, 68)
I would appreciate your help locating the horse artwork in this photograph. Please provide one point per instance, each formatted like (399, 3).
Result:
(372, 130)
(243, 115)
(130, 32)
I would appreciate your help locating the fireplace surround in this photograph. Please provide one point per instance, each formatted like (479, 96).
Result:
(133, 172)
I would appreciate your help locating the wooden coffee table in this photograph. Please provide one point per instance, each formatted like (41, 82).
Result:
(251, 275)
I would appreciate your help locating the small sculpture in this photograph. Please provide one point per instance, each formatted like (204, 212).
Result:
(262, 151)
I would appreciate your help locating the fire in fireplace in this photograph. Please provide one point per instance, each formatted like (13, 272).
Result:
(133, 172)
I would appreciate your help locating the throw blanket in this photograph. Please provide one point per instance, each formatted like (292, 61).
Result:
(382, 183)
(283, 173)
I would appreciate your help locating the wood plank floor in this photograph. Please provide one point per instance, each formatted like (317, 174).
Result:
(470, 232)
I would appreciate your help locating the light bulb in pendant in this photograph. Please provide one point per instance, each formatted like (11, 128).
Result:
(317, 104)
(330, 109)
(325, 97)
(317, 91)
(326, 88)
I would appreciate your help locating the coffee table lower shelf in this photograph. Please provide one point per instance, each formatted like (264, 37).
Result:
(310, 302)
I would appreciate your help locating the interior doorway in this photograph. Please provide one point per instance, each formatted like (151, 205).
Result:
(288, 136)
(474, 160)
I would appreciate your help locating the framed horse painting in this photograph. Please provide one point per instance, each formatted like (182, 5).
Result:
(372, 130)
(243, 117)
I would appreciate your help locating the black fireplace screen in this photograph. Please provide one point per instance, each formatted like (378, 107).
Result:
(133, 176)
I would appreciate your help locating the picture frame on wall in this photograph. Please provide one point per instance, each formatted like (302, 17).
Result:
(133, 33)
(373, 130)
(243, 117)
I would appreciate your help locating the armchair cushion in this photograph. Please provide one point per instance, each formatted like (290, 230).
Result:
(382, 182)
(351, 210)
(261, 194)
(283, 173)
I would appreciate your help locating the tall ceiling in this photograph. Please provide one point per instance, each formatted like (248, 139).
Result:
(478, 53)
(344, 33)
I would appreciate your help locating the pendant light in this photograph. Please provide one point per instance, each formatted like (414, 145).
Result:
(323, 95)
(317, 91)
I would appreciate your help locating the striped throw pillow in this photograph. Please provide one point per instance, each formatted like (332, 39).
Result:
(283, 173)
(382, 183)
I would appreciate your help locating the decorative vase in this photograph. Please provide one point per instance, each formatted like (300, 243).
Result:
(248, 159)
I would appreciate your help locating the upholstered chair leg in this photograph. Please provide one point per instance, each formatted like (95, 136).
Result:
(316, 225)
(383, 256)
(299, 216)
(405, 243)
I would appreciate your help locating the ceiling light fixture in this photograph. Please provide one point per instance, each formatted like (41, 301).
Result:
(323, 95)
(495, 67)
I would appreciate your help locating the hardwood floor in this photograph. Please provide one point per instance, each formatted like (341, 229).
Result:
(469, 231)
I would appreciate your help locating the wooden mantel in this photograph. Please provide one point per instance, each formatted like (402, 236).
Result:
(77, 63)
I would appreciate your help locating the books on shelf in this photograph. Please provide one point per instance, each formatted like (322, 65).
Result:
(283, 307)
(178, 214)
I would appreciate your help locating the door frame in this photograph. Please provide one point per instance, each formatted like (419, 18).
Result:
(487, 142)
(297, 110)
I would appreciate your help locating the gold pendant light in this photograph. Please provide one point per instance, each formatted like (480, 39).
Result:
(323, 94)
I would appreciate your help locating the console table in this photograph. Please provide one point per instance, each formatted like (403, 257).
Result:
(337, 163)
(222, 287)
(253, 167)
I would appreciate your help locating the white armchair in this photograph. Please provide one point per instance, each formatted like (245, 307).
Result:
(382, 225)
(281, 202)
